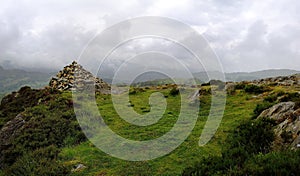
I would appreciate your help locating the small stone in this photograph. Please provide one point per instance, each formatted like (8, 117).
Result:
(78, 168)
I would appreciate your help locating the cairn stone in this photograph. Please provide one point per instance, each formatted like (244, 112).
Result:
(75, 73)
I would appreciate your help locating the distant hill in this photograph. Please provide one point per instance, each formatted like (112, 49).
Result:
(203, 76)
(248, 76)
(13, 79)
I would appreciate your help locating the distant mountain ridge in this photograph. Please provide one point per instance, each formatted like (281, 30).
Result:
(249, 76)
(13, 79)
(229, 77)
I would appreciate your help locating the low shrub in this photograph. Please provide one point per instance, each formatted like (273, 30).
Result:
(261, 107)
(250, 138)
(274, 163)
(174, 91)
(251, 88)
(240, 86)
(42, 161)
(50, 123)
(271, 98)
(290, 96)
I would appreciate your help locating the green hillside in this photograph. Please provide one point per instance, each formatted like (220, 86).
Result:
(50, 142)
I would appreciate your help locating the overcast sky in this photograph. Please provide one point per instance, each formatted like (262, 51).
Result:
(247, 35)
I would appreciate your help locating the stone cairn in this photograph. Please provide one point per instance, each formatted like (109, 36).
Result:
(65, 79)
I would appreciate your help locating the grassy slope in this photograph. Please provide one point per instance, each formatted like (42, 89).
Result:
(238, 108)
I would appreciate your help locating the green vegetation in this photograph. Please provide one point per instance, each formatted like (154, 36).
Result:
(50, 124)
(174, 91)
(97, 162)
(51, 141)
(251, 88)
(261, 107)
(1, 96)
(250, 137)
(276, 97)
(39, 162)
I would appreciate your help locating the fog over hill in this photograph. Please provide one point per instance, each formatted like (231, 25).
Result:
(203, 76)
(248, 76)
(13, 79)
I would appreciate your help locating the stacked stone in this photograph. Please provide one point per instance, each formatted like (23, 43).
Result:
(65, 79)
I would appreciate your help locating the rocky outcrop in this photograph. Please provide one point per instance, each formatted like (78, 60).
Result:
(230, 87)
(287, 118)
(8, 132)
(281, 80)
(10, 127)
(75, 77)
(279, 112)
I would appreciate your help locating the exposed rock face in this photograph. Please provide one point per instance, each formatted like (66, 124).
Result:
(65, 79)
(287, 118)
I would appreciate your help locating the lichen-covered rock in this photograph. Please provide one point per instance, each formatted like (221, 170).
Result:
(75, 77)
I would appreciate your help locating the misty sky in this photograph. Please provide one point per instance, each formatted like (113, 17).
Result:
(247, 35)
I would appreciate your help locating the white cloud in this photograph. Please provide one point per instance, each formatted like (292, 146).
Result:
(247, 35)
